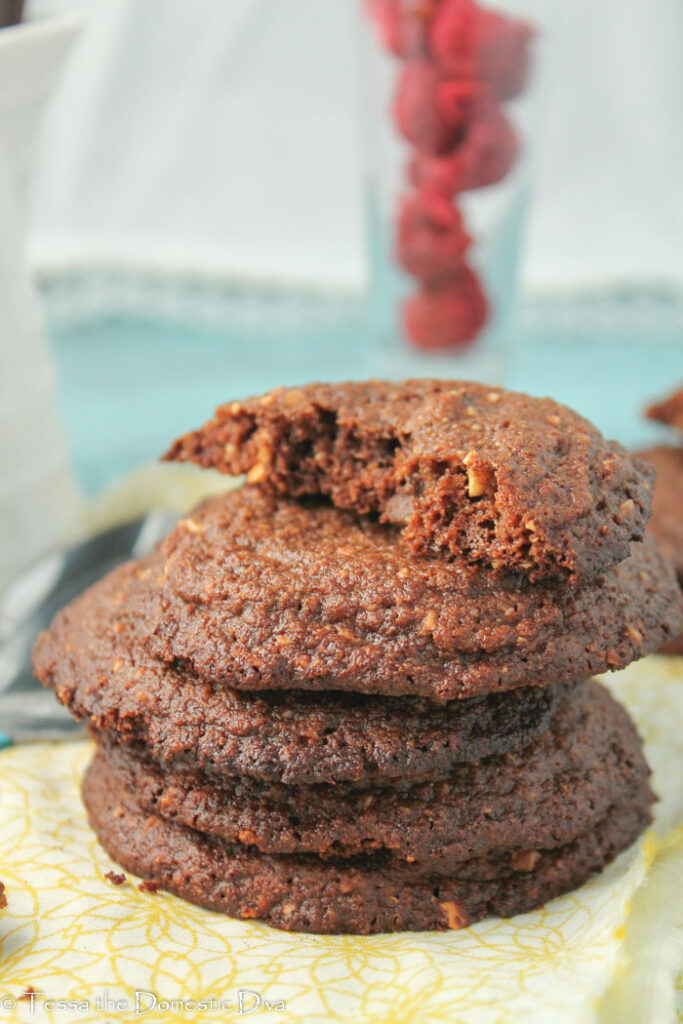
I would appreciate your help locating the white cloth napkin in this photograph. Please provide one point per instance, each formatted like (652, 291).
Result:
(224, 139)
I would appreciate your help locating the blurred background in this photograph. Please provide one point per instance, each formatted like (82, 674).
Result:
(199, 202)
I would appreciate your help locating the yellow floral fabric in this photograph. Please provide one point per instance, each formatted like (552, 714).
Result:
(609, 952)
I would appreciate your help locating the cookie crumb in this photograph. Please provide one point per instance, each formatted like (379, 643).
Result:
(148, 886)
(116, 877)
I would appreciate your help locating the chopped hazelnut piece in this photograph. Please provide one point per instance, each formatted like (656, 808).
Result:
(525, 860)
(454, 914)
(478, 475)
(257, 473)
(429, 621)
(192, 526)
(249, 912)
(294, 397)
(626, 508)
(346, 633)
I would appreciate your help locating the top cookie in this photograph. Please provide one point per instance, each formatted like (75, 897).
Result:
(668, 411)
(486, 475)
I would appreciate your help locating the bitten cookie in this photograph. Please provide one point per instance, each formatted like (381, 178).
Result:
(470, 472)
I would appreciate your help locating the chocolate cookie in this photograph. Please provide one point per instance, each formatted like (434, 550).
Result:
(472, 472)
(259, 593)
(668, 411)
(304, 893)
(561, 786)
(666, 523)
(93, 657)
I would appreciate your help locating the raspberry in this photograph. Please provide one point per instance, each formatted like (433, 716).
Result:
(459, 100)
(431, 114)
(431, 238)
(471, 42)
(504, 56)
(484, 155)
(447, 315)
(404, 24)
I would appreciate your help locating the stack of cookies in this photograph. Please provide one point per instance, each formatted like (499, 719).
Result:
(354, 695)
(666, 523)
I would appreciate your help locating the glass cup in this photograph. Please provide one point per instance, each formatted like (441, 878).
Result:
(447, 101)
